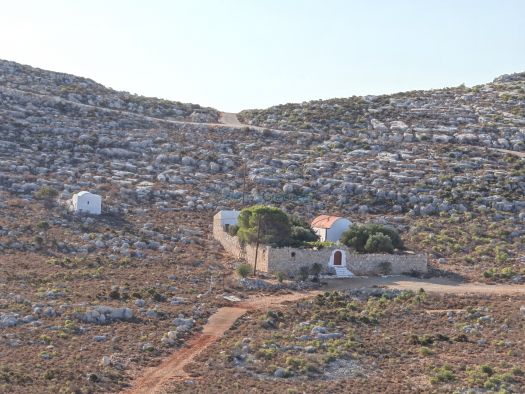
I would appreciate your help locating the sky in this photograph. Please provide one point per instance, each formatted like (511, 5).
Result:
(240, 54)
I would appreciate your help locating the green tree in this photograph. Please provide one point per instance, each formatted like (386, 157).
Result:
(300, 235)
(379, 243)
(271, 225)
(357, 237)
(302, 232)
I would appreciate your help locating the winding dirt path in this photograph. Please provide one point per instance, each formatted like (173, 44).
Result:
(226, 119)
(155, 379)
(173, 367)
(229, 118)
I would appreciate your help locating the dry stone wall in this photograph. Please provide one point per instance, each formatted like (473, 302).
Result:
(289, 260)
(231, 244)
(395, 264)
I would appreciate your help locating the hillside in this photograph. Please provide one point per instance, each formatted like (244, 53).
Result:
(489, 115)
(88, 303)
(22, 79)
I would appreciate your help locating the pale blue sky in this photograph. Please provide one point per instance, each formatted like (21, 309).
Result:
(238, 54)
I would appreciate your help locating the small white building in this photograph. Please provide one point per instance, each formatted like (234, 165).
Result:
(330, 228)
(86, 202)
(226, 218)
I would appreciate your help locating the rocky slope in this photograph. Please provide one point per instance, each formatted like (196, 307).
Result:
(16, 78)
(489, 115)
(124, 287)
(148, 163)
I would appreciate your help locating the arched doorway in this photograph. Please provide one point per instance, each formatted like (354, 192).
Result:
(338, 257)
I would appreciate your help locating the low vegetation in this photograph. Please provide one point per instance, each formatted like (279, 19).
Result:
(374, 341)
(372, 238)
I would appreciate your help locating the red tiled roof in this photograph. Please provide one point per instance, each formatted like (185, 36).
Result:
(324, 221)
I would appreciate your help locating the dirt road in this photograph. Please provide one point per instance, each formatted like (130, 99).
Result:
(172, 368)
(229, 118)
(434, 285)
(156, 378)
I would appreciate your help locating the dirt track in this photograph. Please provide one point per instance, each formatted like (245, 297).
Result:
(172, 368)
(434, 285)
(229, 118)
(154, 379)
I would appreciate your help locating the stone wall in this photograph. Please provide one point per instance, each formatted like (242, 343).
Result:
(231, 244)
(394, 264)
(289, 260)
(247, 252)
(281, 259)
(262, 257)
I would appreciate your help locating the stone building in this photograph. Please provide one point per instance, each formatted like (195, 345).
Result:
(86, 202)
(337, 260)
(330, 228)
(226, 218)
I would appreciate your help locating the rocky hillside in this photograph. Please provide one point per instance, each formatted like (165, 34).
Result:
(144, 164)
(489, 115)
(88, 303)
(23, 80)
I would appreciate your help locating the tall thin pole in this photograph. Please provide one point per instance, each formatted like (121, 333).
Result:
(243, 183)
(257, 244)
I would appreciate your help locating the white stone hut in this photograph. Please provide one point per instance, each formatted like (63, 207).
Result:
(226, 218)
(330, 228)
(86, 202)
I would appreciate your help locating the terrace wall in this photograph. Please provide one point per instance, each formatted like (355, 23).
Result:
(289, 260)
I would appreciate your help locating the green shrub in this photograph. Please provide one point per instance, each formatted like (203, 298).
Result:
(46, 193)
(379, 243)
(385, 268)
(503, 273)
(315, 270)
(319, 244)
(501, 255)
(233, 229)
(42, 225)
(244, 270)
(358, 237)
(295, 362)
(355, 237)
(280, 276)
(300, 235)
(304, 272)
(487, 370)
(425, 351)
(442, 375)
(266, 354)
